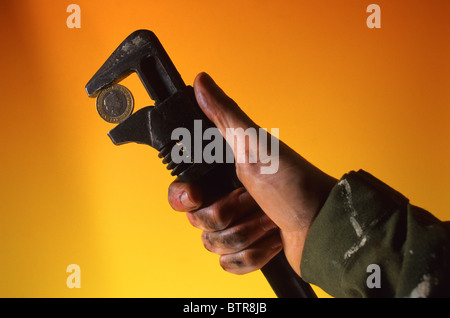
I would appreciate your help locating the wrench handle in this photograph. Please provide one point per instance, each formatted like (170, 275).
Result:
(281, 277)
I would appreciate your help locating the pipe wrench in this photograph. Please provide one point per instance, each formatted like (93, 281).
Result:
(175, 107)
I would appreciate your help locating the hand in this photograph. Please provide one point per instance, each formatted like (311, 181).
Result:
(247, 227)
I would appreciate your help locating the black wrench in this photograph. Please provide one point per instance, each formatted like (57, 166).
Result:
(176, 106)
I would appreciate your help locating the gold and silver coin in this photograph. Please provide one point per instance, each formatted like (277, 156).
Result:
(115, 103)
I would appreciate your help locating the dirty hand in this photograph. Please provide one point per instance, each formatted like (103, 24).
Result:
(250, 225)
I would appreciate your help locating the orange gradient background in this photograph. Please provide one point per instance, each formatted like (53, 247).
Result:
(344, 96)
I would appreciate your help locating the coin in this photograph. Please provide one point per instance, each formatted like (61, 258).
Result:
(115, 103)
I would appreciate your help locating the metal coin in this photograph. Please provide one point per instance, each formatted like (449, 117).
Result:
(115, 103)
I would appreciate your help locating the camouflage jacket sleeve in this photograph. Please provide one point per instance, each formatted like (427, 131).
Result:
(369, 241)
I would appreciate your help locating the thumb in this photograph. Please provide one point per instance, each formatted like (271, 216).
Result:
(218, 107)
(236, 127)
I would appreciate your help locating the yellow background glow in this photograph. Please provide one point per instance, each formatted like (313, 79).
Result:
(343, 95)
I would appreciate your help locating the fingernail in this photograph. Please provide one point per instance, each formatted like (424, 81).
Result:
(186, 201)
(277, 245)
(208, 81)
(207, 84)
(243, 197)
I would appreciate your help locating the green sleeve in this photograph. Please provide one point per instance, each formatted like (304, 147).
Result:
(369, 241)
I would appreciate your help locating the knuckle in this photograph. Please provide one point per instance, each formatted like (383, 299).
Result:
(239, 263)
(192, 218)
(249, 257)
(232, 240)
(217, 220)
(236, 239)
(232, 264)
(206, 240)
(206, 219)
(219, 215)
(224, 242)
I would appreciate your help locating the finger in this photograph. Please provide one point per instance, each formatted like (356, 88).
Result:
(240, 236)
(184, 197)
(252, 258)
(224, 211)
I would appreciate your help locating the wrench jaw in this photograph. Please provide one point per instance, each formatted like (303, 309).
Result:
(133, 129)
(154, 126)
(137, 128)
(175, 103)
(140, 52)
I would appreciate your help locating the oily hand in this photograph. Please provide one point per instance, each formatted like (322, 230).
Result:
(275, 210)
